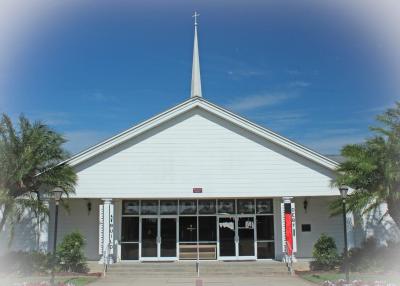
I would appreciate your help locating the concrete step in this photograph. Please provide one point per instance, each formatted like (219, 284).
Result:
(188, 269)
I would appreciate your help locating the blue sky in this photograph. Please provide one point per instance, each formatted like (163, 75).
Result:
(309, 72)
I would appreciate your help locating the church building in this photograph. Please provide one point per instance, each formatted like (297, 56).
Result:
(200, 182)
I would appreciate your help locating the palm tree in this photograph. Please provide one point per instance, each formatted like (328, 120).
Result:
(372, 168)
(31, 165)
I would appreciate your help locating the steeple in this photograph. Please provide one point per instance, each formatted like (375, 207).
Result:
(196, 80)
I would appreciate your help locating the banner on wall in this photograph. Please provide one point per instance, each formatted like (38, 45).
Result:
(106, 228)
(288, 214)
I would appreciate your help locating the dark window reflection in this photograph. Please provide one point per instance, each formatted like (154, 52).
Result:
(169, 207)
(188, 207)
(149, 207)
(130, 207)
(226, 206)
(130, 251)
(207, 207)
(265, 227)
(130, 229)
(245, 206)
(188, 228)
(265, 250)
(264, 206)
(208, 228)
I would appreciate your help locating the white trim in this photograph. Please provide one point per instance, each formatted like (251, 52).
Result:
(214, 109)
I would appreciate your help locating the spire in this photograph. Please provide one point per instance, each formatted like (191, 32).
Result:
(196, 80)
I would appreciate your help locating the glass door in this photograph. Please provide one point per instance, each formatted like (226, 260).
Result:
(149, 230)
(245, 229)
(168, 238)
(227, 234)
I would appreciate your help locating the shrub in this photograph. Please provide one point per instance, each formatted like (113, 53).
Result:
(70, 255)
(325, 254)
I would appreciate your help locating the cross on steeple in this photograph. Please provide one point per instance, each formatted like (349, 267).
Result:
(195, 16)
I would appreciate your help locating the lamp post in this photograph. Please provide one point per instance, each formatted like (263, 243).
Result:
(343, 192)
(57, 194)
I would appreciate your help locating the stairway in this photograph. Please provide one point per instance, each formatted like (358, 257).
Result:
(188, 269)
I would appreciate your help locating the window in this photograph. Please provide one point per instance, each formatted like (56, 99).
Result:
(245, 206)
(207, 207)
(264, 206)
(130, 207)
(226, 206)
(207, 228)
(187, 229)
(130, 251)
(130, 229)
(168, 207)
(188, 207)
(265, 250)
(265, 227)
(149, 207)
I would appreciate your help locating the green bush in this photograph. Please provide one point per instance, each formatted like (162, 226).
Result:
(70, 255)
(22, 262)
(325, 254)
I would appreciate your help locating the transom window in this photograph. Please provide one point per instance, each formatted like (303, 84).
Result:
(197, 207)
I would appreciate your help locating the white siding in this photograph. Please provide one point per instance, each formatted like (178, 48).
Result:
(77, 218)
(318, 215)
(198, 149)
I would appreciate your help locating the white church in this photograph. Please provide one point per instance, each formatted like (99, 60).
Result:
(200, 182)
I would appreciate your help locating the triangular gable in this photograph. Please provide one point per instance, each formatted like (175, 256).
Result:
(214, 109)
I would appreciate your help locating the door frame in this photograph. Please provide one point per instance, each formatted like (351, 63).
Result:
(236, 237)
(158, 238)
(254, 257)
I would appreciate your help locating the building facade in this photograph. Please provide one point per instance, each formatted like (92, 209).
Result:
(200, 182)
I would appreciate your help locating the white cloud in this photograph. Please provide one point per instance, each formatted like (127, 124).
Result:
(331, 141)
(258, 101)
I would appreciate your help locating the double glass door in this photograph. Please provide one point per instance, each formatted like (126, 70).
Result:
(236, 237)
(158, 241)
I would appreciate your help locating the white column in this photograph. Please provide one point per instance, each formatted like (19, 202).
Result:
(106, 231)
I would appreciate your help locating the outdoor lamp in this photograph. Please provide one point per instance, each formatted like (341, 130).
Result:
(57, 194)
(305, 205)
(343, 191)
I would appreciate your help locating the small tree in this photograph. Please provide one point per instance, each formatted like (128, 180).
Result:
(372, 169)
(325, 253)
(31, 165)
(70, 253)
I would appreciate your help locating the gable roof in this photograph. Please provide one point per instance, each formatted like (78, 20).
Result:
(214, 109)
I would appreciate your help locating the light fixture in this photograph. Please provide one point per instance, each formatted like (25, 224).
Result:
(305, 205)
(343, 191)
(89, 207)
(57, 194)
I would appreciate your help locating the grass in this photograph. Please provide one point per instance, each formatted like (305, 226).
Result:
(320, 277)
(82, 280)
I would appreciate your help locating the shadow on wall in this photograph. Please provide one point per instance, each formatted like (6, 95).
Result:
(383, 230)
